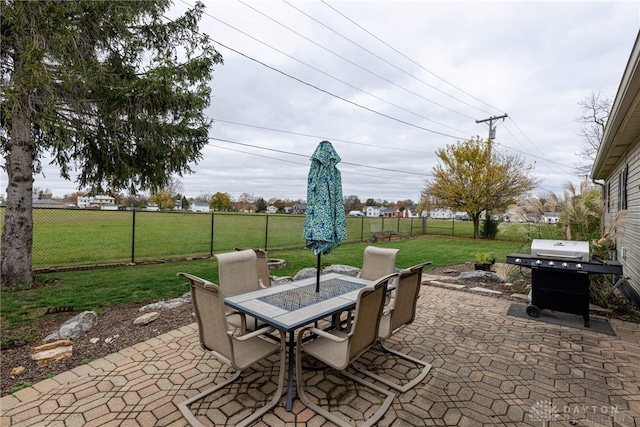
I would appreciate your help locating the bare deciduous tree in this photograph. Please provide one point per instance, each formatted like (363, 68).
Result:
(595, 110)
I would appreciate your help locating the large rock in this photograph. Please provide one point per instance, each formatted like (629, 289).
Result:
(51, 352)
(483, 276)
(74, 327)
(305, 273)
(173, 303)
(342, 269)
(146, 318)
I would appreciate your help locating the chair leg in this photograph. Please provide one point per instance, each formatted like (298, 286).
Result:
(192, 420)
(401, 388)
(332, 417)
(184, 406)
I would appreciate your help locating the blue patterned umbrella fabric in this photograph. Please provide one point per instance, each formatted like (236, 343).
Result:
(325, 224)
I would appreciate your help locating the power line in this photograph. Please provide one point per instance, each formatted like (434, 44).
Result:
(406, 57)
(328, 75)
(307, 156)
(318, 136)
(365, 69)
(391, 64)
(337, 96)
(283, 160)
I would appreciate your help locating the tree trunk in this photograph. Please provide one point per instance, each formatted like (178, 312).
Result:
(17, 233)
(476, 226)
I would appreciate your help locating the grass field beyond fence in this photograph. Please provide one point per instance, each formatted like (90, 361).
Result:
(64, 238)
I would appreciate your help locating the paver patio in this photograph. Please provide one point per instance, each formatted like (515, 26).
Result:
(489, 369)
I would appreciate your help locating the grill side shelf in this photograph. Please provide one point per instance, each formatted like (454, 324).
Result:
(592, 267)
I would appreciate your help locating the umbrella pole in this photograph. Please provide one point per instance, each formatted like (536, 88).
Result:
(318, 273)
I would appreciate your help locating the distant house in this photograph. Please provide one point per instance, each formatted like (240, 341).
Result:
(299, 208)
(388, 212)
(109, 207)
(47, 203)
(551, 217)
(441, 213)
(199, 207)
(272, 209)
(177, 203)
(372, 211)
(94, 201)
(618, 165)
(152, 207)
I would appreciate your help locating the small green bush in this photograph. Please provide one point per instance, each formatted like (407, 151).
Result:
(489, 228)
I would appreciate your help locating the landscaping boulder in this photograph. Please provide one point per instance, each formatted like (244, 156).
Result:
(72, 328)
(175, 302)
(51, 352)
(480, 275)
(342, 269)
(146, 318)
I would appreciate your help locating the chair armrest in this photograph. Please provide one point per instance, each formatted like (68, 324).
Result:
(257, 332)
(243, 319)
(323, 334)
(208, 284)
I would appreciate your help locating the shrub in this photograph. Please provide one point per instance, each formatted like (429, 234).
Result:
(489, 228)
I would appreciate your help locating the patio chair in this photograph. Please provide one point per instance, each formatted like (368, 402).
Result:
(237, 274)
(264, 275)
(237, 351)
(378, 262)
(339, 349)
(262, 265)
(401, 314)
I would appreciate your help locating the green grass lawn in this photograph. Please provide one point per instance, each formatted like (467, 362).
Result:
(63, 237)
(99, 288)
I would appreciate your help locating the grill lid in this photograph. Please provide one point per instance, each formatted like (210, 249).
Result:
(560, 249)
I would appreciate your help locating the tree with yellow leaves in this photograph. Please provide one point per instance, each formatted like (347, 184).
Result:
(473, 179)
(163, 199)
(220, 201)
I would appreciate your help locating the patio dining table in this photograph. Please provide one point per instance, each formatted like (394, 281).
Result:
(290, 306)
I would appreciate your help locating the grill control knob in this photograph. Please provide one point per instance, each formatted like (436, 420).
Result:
(518, 260)
(564, 264)
(579, 266)
(551, 263)
(538, 262)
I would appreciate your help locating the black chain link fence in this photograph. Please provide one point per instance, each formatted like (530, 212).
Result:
(64, 238)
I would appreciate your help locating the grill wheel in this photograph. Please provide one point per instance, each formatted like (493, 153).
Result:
(533, 311)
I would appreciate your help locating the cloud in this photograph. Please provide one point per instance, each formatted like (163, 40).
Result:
(431, 70)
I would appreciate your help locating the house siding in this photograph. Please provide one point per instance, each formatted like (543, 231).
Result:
(628, 229)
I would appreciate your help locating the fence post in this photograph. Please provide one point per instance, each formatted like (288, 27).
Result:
(133, 237)
(266, 232)
(453, 226)
(211, 240)
(398, 228)
(362, 228)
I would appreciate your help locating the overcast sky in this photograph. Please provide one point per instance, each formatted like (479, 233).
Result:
(390, 82)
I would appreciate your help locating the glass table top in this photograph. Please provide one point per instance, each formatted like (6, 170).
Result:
(294, 299)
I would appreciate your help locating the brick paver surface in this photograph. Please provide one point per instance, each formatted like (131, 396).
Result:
(489, 369)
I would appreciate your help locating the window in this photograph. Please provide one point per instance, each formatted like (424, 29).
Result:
(622, 188)
(607, 195)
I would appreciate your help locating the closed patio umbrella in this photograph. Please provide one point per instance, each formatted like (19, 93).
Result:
(325, 225)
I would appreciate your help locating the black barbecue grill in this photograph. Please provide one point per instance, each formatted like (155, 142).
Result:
(560, 275)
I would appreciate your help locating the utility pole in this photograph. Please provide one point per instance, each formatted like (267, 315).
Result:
(492, 129)
(492, 135)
